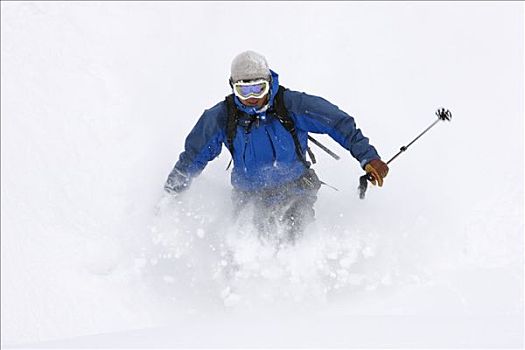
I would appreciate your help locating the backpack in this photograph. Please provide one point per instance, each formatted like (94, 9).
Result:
(279, 111)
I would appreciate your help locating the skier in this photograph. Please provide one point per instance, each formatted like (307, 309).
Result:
(265, 127)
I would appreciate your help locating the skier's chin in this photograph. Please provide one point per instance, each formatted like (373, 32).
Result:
(252, 103)
(255, 102)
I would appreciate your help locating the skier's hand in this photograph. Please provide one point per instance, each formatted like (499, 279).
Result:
(378, 170)
(176, 184)
(174, 190)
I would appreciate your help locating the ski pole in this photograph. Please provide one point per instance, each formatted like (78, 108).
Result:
(442, 114)
(323, 147)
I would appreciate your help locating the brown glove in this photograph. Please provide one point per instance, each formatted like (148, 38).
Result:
(378, 169)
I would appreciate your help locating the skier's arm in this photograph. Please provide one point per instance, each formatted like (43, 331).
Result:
(317, 115)
(203, 144)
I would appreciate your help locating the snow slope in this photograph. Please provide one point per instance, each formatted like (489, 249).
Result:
(97, 98)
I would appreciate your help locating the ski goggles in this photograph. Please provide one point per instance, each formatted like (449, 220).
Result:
(251, 89)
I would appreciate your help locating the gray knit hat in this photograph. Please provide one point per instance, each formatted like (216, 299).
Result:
(249, 65)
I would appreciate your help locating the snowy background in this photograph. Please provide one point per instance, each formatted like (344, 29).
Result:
(97, 99)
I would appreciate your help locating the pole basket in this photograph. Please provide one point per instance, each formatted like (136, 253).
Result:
(444, 114)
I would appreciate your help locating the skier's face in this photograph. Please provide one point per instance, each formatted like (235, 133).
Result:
(255, 102)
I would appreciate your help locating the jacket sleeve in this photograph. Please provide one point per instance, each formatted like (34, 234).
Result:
(317, 115)
(203, 144)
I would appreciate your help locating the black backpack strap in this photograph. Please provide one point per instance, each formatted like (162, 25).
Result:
(287, 122)
(231, 125)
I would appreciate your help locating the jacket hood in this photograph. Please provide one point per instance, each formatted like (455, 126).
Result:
(274, 86)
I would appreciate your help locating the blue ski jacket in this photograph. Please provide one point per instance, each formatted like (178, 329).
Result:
(265, 157)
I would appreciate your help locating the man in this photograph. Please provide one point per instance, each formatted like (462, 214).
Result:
(266, 128)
